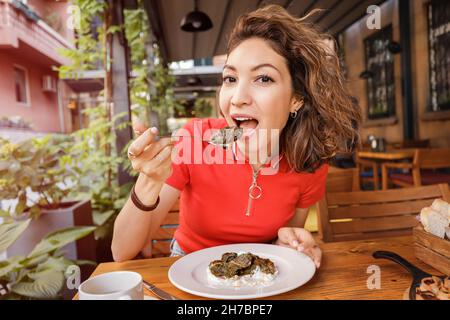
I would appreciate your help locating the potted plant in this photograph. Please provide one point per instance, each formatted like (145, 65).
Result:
(34, 185)
(43, 272)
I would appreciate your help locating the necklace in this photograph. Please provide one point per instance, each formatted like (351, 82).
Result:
(254, 191)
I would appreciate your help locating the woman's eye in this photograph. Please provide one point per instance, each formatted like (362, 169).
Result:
(265, 79)
(228, 79)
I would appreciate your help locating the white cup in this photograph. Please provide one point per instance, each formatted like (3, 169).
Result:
(117, 285)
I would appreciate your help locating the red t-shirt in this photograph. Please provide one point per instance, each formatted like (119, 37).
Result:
(215, 197)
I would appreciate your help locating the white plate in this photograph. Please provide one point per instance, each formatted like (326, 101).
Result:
(189, 273)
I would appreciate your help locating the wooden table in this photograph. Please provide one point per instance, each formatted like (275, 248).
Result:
(374, 159)
(390, 155)
(343, 274)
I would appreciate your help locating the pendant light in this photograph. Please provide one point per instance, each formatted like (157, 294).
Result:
(196, 21)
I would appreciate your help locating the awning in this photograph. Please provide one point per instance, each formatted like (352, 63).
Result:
(165, 17)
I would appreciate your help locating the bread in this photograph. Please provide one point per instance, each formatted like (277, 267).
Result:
(434, 222)
(442, 207)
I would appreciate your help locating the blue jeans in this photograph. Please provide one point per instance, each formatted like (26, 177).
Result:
(175, 249)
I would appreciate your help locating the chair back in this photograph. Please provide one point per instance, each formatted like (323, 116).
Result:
(164, 234)
(343, 180)
(433, 158)
(372, 214)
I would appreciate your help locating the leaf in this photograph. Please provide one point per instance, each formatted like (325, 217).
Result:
(46, 286)
(113, 29)
(9, 232)
(9, 265)
(59, 239)
(50, 265)
(32, 262)
(21, 206)
(101, 217)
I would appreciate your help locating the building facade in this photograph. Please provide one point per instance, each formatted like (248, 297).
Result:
(31, 35)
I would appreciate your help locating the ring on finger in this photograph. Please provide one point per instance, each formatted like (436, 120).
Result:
(131, 155)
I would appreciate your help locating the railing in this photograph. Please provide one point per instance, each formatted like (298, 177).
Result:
(36, 34)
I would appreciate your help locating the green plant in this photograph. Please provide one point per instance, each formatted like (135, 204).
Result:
(163, 101)
(42, 273)
(31, 172)
(136, 32)
(152, 87)
(202, 108)
(93, 156)
(88, 49)
(95, 161)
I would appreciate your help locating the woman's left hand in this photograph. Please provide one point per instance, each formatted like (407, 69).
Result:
(301, 240)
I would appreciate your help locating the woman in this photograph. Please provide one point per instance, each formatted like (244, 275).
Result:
(278, 78)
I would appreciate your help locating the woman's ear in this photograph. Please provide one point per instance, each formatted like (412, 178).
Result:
(296, 104)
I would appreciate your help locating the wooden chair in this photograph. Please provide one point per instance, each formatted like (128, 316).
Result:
(164, 234)
(342, 180)
(369, 176)
(421, 171)
(372, 214)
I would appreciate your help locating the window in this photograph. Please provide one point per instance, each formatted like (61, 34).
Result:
(439, 46)
(380, 75)
(21, 85)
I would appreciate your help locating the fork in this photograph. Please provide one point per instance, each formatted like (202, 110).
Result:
(227, 144)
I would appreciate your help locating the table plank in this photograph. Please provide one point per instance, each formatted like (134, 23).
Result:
(343, 274)
(387, 155)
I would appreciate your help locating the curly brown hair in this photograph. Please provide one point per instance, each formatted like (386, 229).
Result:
(329, 119)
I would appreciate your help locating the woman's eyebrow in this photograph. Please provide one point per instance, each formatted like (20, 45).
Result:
(264, 65)
(227, 66)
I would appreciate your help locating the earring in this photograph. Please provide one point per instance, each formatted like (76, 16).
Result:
(293, 115)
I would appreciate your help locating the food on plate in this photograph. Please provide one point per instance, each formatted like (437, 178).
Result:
(433, 288)
(241, 269)
(225, 136)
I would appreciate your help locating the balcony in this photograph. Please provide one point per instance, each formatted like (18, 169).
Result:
(18, 28)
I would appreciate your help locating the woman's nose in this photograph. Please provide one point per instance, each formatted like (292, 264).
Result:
(241, 95)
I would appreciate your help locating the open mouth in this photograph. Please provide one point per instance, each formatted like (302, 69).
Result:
(245, 121)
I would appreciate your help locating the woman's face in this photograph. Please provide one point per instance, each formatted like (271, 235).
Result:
(256, 93)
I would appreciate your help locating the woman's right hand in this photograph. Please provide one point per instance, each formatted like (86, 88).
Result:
(134, 228)
(149, 156)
